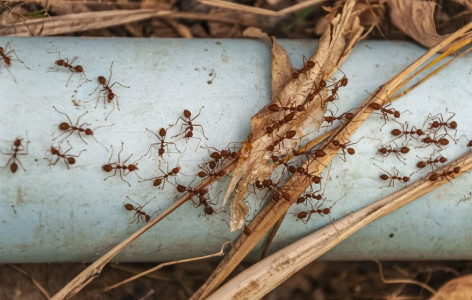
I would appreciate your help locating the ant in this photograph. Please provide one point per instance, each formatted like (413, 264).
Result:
(432, 162)
(4, 54)
(440, 142)
(276, 108)
(69, 127)
(17, 149)
(334, 91)
(108, 95)
(445, 174)
(385, 112)
(321, 211)
(438, 122)
(189, 125)
(405, 132)
(202, 195)
(207, 171)
(64, 62)
(345, 147)
(68, 159)
(158, 180)
(288, 135)
(385, 151)
(162, 143)
(122, 167)
(393, 177)
(345, 116)
(139, 213)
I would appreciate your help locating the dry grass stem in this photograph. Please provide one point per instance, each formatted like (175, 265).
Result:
(261, 11)
(261, 278)
(297, 184)
(160, 266)
(70, 23)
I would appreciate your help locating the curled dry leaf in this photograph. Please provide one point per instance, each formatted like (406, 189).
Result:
(331, 52)
(456, 289)
(416, 19)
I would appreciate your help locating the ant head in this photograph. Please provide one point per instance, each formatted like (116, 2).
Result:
(456, 169)
(187, 114)
(181, 188)
(64, 126)
(129, 206)
(330, 98)
(13, 167)
(433, 177)
(202, 174)
(310, 64)
(53, 150)
(102, 80)
(419, 132)
(453, 124)
(88, 131)
(212, 165)
(175, 170)
(59, 62)
(189, 134)
(162, 132)
(442, 159)
(310, 97)
(132, 168)
(344, 81)
(147, 218)
(203, 192)
(406, 179)
(107, 168)
(396, 114)
(317, 179)
(322, 83)
(215, 155)
(110, 96)
(330, 119)
(435, 124)
(79, 69)
(71, 160)
(221, 173)
(17, 142)
(326, 211)
(258, 184)
(158, 181)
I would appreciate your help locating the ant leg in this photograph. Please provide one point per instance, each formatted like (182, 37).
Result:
(106, 117)
(198, 125)
(8, 162)
(125, 86)
(70, 133)
(112, 175)
(121, 176)
(68, 80)
(126, 159)
(19, 162)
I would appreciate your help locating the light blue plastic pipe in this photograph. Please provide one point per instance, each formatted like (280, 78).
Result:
(52, 214)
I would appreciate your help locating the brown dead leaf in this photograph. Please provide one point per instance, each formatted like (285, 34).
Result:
(416, 19)
(456, 289)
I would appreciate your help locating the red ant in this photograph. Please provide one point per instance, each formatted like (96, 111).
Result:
(345, 147)
(17, 149)
(321, 211)
(432, 162)
(158, 180)
(393, 177)
(69, 127)
(345, 116)
(162, 143)
(108, 95)
(438, 122)
(206, 171)
(405, 132)
(139, 213)
(385, 111)
(64, 62)
(440, 142)
(122, 167)
(219, 156)
(4, 52)
(288, 135)
(275, 107)
(202, 195)
(334, 91)
(189, 125)
(68, 159)
(445, 174)
(384, 151)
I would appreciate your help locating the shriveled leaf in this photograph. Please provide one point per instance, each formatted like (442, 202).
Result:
(416, 19)
(456, 289)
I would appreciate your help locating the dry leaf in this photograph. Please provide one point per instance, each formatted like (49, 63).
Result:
(416, 19)
(456, 289)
